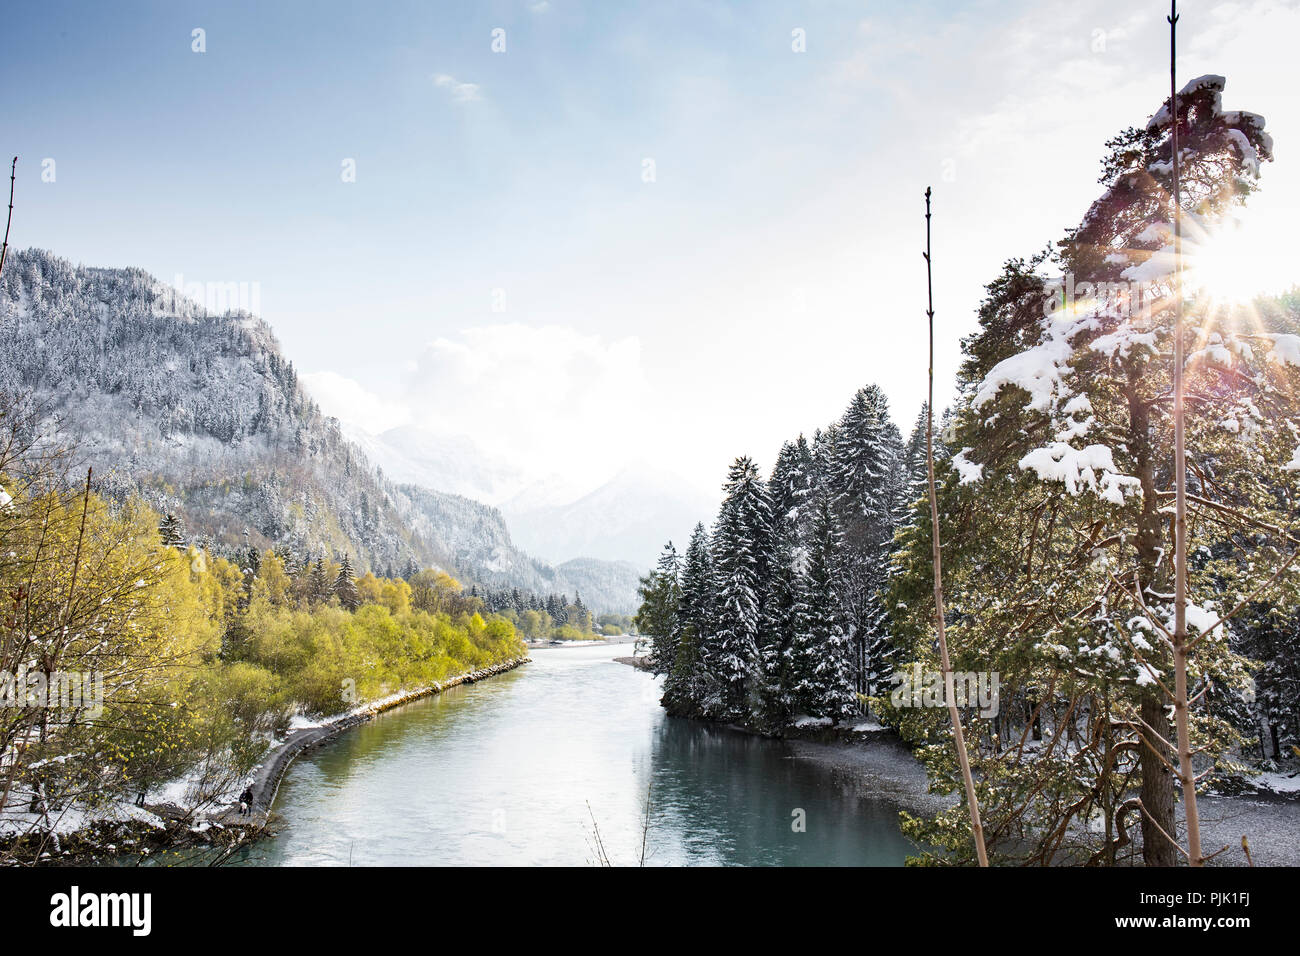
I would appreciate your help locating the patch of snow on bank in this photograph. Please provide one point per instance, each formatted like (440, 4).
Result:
(1277, 782)
(803, 720)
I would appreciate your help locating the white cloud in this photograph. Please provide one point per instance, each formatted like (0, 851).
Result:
(550, 398)
(460, 92)
(351, 403)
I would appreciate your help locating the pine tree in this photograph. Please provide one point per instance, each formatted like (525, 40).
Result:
(770, 699)
(911, 486)
(1059, 577)
(864, 475)
(320, 587)
(741, 556)
(582, 615)
(688, 685)
(345, 585)
(172, 532)
(821, 664)
(660, 593)
(1271, 636)
(792, 480)
(790, 488)
(866, 453)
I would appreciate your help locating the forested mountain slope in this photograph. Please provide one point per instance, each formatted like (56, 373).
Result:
(204, 417)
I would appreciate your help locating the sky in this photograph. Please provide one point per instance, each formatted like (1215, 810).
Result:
(591, 233)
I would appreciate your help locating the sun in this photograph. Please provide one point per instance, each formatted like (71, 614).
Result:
(1229, 266)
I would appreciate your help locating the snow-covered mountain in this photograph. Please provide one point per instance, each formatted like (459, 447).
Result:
(628, 518)
(413, 454)
(419, 455)
(204, 417)
(476, 537)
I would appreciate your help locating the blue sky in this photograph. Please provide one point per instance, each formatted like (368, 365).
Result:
(501, 267)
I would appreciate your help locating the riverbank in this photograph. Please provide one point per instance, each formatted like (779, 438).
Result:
(267, 777)
(595, 641)
(872, 761)
(640, 663)
(154, 830)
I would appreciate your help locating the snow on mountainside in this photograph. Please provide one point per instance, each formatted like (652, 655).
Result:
(477, 539)
(629, 518)
(203, 416)
(414, 455)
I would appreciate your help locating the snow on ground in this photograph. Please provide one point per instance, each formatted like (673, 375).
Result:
(71, 818)
(885, 768)
(803, 720)
(1277, 782)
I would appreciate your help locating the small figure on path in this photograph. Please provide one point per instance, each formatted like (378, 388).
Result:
(246, 800)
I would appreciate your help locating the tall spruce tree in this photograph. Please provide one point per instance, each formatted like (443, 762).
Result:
(792, 480)
(688, 686)
(660, 592)
(821, 679)
(345, 585)
(742, 559)
(866, 459)
(321, 587)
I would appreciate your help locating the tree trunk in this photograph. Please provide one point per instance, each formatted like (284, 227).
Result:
(1157, 782)
(1157, 790)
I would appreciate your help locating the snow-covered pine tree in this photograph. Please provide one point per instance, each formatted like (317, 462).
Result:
(864, 477)
(250, 560)
(911, 472)
(321, 587)
(688, 686)
(1271, 636)
(172, 532)
(345, 585)
(773, 702)
(742, 559)
(823, 449)
(660, 593)
(792, 480)
(1059, 575)
(821, 681)
(867, 449)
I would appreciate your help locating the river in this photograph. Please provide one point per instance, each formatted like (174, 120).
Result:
(524, 768)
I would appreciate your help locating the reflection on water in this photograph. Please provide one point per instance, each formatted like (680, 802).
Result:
(514, 770)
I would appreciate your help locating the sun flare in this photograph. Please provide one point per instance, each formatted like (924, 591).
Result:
(1228, 266)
